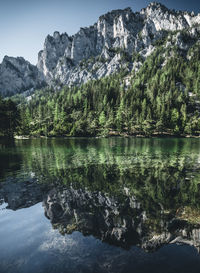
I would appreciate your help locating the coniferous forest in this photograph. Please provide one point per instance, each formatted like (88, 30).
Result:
(100, 139)
(9, 118)
(162, 98)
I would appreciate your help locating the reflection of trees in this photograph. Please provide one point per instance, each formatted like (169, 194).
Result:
(10, 158)
(160, 173)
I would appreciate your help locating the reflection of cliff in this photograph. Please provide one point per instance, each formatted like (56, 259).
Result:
(21, 194)
(121, 222)
(96, 214)
(124, 191)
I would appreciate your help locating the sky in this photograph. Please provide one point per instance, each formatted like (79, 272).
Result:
(24, 24)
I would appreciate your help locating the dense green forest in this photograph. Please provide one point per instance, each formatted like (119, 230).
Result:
(9, 118)
(162, 98)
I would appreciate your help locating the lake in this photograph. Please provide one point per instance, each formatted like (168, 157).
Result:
(100, 205)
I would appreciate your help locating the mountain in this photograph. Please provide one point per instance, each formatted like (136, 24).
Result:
(128, 74)
(18, 75)
(97, 51)
(100, 50)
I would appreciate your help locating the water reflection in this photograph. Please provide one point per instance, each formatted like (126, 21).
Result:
(116, 221)
(125, 192)
(9, 157)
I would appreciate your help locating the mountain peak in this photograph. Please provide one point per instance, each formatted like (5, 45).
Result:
(157, 5)
(7, 58)
(18, 75)
(153, 7)
(116, 12)
(99, 50)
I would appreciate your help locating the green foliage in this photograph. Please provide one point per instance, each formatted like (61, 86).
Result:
(9, 118)
(158, 101)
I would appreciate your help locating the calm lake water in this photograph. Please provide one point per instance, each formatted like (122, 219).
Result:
(100, 205)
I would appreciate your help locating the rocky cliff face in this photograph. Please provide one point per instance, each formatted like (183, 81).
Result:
(97, 51)
(107, 46)
(89, 53)
(18, 75)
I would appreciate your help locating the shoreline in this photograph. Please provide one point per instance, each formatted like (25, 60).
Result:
(23, 137)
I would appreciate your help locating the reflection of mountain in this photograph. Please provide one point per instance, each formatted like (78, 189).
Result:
(21, 194)
(121, 222)
(95, 213)
(123, 191)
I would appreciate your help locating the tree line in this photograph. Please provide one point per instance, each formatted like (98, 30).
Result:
(160, 99)
(9, 118)
(163, 97)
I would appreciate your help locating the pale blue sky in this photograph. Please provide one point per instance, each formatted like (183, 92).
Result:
(24, 24)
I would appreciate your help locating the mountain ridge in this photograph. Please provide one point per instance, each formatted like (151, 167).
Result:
(98, 50)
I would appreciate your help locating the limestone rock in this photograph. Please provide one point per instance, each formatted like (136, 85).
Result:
(18, 75)
(101, 49)
(73, 60)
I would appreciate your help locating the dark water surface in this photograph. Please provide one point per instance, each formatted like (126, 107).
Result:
(100, 205)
